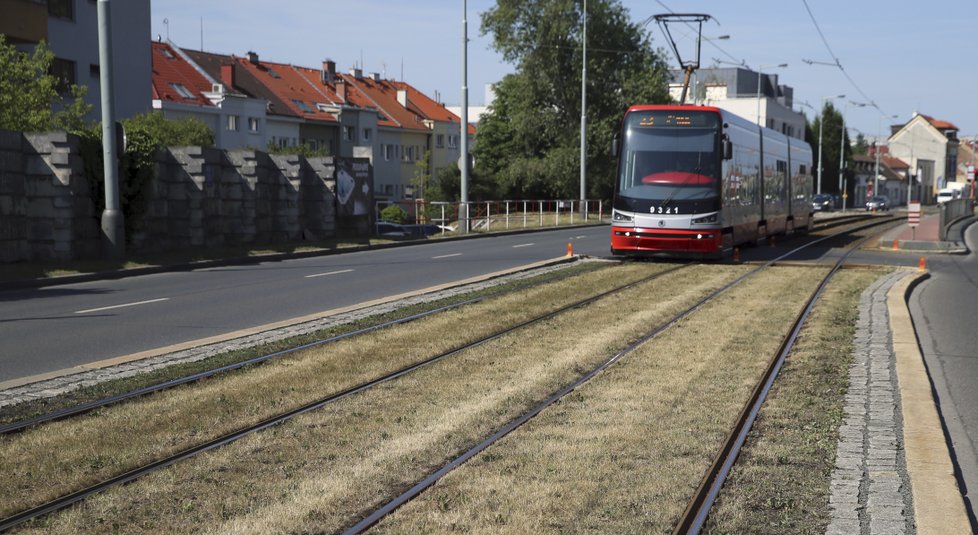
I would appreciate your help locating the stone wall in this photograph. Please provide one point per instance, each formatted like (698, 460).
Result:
(46, 209)
(200, 197)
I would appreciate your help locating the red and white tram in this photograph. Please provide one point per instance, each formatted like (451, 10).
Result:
(697, 181)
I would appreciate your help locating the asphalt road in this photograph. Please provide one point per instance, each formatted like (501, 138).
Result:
(944, 309)
(53, 328)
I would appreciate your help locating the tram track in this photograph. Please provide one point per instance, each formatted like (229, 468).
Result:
(148, 468)
(703, 499)
(129, 476)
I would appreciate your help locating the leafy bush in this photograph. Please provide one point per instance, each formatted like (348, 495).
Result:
(30, 95)
(304, 150)
(146, 133)
(394, 213)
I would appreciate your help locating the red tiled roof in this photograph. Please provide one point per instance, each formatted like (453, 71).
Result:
(172, 74)
(291, 87)
(939, 124)
(382, 96)
(427, 107)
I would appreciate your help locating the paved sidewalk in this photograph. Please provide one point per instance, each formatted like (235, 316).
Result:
(926, 236)
(893, 473)
(870, 487)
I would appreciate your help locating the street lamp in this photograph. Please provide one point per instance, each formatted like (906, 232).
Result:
(876, 170)
(760, 72)
(821, 124)
(842, 150)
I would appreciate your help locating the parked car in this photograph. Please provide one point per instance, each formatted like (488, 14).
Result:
(389, 229)
(823, 202)
(878, 202)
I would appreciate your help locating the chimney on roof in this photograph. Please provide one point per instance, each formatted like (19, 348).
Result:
(375, 76)
(328, 74)
(253, 57)
(356, 73)
(227, 75)
(402, 97)
(341, 89)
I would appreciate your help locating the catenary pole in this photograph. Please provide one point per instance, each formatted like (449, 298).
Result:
(113, 229)
(584, 108)
(463, 161)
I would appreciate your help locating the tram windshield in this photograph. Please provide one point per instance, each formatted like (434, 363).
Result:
(670, 157)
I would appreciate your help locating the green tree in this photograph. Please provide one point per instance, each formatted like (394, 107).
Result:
(529, 141)
(305, 150)
(31, 99)
(831, 141)
(422, 176)
(861, 147)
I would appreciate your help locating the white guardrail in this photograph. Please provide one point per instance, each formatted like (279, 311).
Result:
(494, 216)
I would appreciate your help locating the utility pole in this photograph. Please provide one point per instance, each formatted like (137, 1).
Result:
(113, 227)
(463, 161)
(584, 108)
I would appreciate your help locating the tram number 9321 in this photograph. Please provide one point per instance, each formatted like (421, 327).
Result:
(664, 210)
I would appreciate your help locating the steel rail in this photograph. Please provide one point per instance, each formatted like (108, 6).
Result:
(695, 515)
(384, 510)
(69, 499)
(81, 408)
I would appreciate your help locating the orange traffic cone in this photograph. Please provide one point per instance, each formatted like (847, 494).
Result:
(922, 265)
(896, 244)
(570, 249)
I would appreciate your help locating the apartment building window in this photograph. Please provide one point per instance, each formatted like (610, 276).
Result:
(440, 140)
(233, 123)
(62, 9)
(348, 132)
(452, 142)
(388, 151)
(64, 71)
(408, 154)
(367, 132)
(302, 105)
(253, 125)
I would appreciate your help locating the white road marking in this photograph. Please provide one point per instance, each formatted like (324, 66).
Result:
(446, 256)
(579, 237)
(330, 273)
(123, 305)
(523, 245)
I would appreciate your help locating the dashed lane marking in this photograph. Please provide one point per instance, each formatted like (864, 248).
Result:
(122, 305)
(446, 256)
(523, 245)
(328, 273)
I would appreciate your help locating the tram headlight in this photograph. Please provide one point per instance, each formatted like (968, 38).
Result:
(620, 217)
(705, 220)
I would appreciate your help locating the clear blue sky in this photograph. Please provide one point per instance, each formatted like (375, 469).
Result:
(904, 55)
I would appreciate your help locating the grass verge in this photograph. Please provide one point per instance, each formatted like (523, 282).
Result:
(780, 483)
(320, 471)
(116, 387)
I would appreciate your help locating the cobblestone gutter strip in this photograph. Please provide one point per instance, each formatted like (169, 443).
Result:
(938, 505)
(870, 487)
(67, 383)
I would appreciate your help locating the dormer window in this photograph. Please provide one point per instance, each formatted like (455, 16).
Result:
(182, 90)
(302, 106)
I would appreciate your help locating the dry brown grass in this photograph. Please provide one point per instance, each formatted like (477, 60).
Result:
(322, 470)
(780, 483)
(625, 452)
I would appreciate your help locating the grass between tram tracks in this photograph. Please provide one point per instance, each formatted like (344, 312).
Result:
(320, 471)
(115, 387)
(625, 452)
(780, 483)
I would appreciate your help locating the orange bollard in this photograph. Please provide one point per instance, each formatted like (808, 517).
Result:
(570, 249)
(922, 265)
(896, 244)
(736, 254)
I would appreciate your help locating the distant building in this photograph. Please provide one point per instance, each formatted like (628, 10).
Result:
(891, 180)
(735, 89)
(930, 147)
(250, 102)
(70, 28)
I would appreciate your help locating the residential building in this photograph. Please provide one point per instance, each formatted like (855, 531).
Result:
(70, 28)
(930, 147)
(183, 89)
(749, 94)
(892, 178)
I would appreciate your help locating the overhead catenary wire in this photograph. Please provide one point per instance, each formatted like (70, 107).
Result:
(838, 63)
